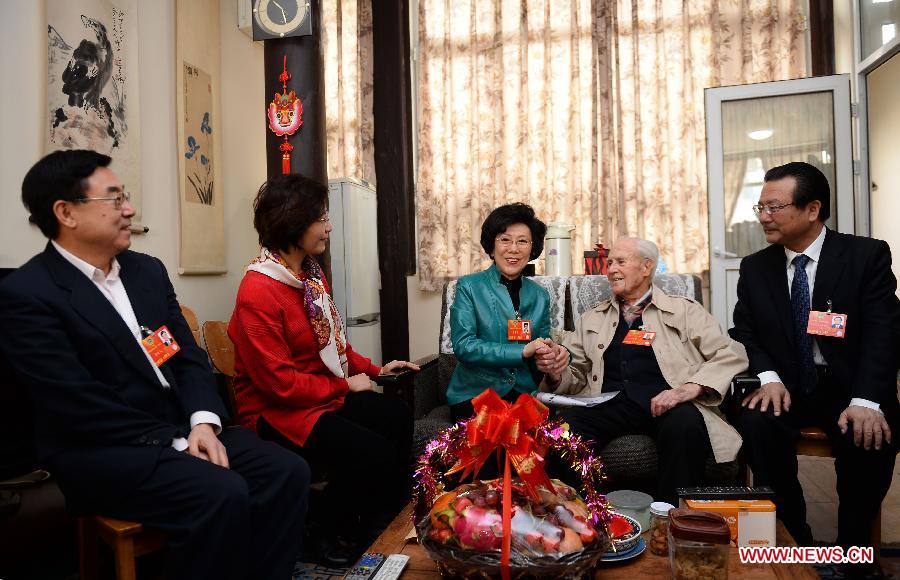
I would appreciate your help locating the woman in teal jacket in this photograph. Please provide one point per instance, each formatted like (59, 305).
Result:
(498, 318)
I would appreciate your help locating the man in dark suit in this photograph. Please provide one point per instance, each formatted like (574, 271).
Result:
(126, 434)
(842, 382)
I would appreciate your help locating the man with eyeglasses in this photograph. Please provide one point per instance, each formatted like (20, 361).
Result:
(126, 412)
(841, 377)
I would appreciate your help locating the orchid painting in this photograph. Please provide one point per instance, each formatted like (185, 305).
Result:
(198, 152)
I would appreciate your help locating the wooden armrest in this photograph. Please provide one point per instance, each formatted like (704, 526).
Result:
(120, 527)
(813, 433)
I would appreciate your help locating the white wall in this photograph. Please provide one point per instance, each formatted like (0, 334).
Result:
(23, 50)
(424, 319)
(23, 57)
(884, 124)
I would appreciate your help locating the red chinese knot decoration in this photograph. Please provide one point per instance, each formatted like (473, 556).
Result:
(285, 114)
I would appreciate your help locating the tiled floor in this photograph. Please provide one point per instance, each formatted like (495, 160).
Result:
(818, 481)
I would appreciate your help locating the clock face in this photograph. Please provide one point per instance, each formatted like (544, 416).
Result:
(281, 18)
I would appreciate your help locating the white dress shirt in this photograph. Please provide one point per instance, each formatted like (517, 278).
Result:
(110, 285)
(813, 252)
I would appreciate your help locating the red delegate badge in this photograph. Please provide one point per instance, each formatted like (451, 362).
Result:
(640, 337)
(518, 330)
(160, 345)
(827, 324)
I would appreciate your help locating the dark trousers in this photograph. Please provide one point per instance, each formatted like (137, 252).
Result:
(241, 522)
(366, 449)
(681, 438)
(863, 477)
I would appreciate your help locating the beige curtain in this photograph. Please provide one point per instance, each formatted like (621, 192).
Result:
(590, 110)
(347, 28)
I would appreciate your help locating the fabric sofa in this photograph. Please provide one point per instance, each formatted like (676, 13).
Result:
(630, 460)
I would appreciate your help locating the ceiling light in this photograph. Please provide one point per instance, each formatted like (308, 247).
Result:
(760, 135)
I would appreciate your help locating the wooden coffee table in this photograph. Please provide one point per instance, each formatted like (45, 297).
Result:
(395, 540)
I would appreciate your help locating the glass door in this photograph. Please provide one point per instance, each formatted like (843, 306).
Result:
(752, 128)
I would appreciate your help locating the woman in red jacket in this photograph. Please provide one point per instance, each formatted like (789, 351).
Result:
(299, 383)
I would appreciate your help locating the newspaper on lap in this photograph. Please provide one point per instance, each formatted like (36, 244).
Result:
(564, 401)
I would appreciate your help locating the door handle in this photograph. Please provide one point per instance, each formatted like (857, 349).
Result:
(719, 253)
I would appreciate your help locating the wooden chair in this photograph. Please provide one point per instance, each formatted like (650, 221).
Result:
(813, 442)
(221, 354)
(193, 322)
(128, 540)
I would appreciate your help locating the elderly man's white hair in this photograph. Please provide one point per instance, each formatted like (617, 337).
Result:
(645, 248)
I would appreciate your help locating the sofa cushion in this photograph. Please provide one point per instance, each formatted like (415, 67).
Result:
(586, 292)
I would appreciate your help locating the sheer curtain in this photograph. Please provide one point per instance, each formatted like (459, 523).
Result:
(591, 111)
(347, 38)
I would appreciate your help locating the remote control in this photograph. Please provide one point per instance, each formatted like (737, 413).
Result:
(392, 567)
(726, 492)
(365, 567)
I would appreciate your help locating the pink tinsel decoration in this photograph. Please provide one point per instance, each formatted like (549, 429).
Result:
(441, 453)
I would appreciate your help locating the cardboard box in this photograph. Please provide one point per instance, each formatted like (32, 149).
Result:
(752, 521)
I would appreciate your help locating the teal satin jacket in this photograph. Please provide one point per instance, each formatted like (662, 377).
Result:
(478, 329)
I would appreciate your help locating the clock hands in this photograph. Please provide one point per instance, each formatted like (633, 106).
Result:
(283, 15)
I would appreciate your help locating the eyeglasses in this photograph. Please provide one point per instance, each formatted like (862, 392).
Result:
(118, 201)
(325, 218)
(769, 208)
(506, 242)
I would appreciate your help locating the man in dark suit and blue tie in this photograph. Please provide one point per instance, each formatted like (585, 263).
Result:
(844, 382)
(127, 432)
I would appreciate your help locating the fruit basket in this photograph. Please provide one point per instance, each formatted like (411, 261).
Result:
(513, 528)
(550, 537)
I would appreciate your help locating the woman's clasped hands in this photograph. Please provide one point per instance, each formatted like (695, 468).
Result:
(551, 358)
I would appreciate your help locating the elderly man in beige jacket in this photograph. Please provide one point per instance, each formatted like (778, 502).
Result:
(670, 362)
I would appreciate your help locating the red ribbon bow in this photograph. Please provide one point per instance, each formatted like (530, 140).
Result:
(498, 424)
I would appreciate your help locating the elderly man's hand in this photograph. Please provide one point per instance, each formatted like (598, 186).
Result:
(869, 426)
(669, 398)
(775, 393)
(552, 358)
(203, 443)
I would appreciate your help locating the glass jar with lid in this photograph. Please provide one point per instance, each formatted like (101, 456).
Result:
(659, 527)
(698, 544)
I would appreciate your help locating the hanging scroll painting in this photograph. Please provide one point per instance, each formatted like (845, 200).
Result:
(92, 84)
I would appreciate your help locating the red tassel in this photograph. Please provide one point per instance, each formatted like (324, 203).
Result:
(507, 522)
(285, 163)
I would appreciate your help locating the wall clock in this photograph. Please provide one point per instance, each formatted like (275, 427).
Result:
(281, 18)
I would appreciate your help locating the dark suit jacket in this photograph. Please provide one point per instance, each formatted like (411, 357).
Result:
(855, 274)
(101, 415)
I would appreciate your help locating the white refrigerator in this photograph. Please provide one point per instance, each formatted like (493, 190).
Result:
(355, 278)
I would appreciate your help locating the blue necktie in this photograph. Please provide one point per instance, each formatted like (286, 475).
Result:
(800, 308)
